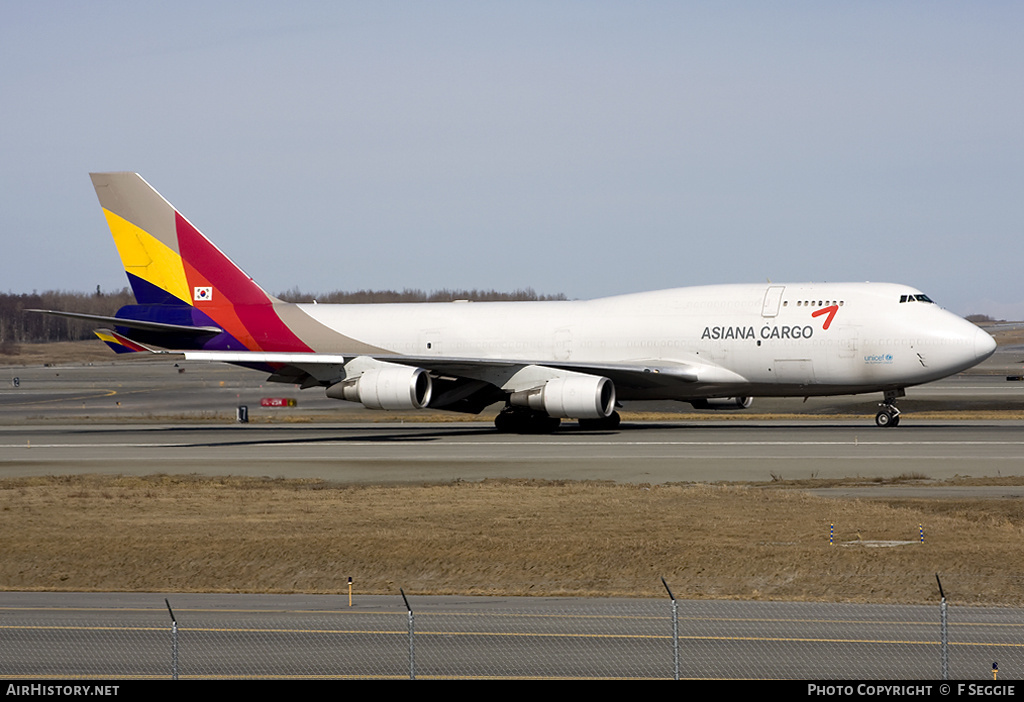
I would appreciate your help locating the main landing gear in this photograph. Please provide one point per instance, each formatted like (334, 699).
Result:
(612, 421)
(889, 416)
(520, 420)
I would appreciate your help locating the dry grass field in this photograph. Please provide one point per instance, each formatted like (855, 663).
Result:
(192, 534)
(57, 353)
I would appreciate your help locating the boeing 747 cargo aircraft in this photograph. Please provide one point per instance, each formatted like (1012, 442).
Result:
(714, 347)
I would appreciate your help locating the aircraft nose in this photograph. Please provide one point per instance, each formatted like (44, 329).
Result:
(984, 345)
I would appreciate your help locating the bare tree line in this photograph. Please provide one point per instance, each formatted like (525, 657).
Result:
(416, 295)
(20, 327)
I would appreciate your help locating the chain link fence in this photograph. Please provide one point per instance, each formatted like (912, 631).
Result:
(586, 639)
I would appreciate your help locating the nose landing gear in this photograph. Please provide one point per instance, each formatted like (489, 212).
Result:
(889, 416)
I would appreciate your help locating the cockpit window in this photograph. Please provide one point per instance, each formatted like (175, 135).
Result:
(915, 298)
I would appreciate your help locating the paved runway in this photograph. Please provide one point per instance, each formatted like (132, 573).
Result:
(647, 453)
(156, 416)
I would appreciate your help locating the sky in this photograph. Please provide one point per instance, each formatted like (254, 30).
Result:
(585, 148)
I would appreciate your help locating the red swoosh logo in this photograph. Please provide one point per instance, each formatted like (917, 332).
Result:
(830, 311)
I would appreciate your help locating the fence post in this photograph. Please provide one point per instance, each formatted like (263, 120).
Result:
(174, 641)
(944, 627)
(412, 645)
(675, 631)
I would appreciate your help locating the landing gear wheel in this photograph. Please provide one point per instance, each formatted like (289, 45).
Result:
(505, 423)
(514, 420)
(889, 416)
(887, 419)
(543, 424)
(610, 422)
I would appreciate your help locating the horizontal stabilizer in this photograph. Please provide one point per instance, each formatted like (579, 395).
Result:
(135, 323)
(120, 343)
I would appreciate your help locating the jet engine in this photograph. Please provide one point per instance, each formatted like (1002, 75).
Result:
(722, 403)
(576, 396)
(389, 387)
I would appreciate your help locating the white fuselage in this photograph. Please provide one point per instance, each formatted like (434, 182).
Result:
(743, 339)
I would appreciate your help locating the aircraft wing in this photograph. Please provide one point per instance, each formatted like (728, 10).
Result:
(309, 369)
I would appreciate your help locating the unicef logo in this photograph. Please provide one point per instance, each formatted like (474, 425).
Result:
(882, 358)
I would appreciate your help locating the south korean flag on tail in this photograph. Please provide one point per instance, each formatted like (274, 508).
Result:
(204, 294)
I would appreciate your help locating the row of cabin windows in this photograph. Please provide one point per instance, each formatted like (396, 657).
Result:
(821, 303)
(811, 303)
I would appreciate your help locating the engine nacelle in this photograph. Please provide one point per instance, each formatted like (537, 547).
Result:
(390, 387)
(576, 396)
(722, 403)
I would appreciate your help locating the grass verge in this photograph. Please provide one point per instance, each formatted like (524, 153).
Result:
(502, 537)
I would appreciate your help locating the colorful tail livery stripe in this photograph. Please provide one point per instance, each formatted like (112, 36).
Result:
(118, 343)
(171, 265)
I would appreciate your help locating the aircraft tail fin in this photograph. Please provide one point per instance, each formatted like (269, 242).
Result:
(181, 278)
(168, 261)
